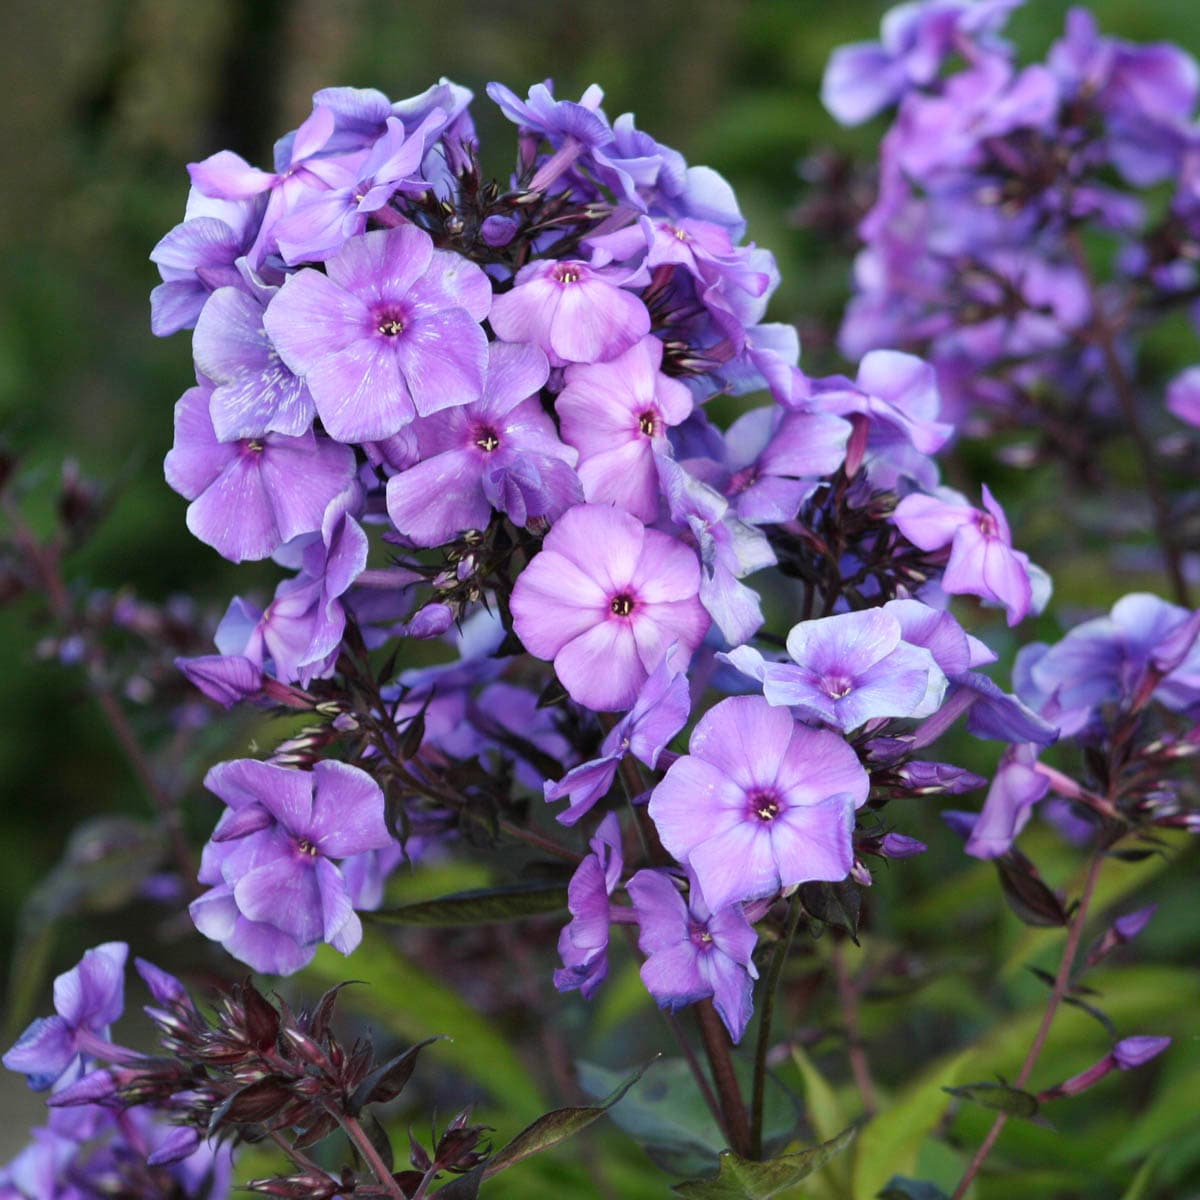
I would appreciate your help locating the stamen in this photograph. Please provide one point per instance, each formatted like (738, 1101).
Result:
(621, 605)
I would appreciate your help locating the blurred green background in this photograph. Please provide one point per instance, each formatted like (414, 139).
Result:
(106, 101)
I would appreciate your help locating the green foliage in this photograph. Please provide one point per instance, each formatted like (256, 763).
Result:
(740, 1179)
(479, 906)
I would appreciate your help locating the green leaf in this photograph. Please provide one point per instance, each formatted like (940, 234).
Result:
(742, 1179)
(834, 904)
(387, 1080)
(511, 902)
(1139, 1188)
(998, 1096)
(892, 1140)
(824, 1113)
(556, 1127)
(667, 1116)
(899, 1188)
(414, 1005)
(1027, 894)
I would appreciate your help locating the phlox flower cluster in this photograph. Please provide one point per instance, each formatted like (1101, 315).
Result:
(478, 412)
(975, 254)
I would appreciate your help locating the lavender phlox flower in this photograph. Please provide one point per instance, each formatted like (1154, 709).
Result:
(694, 949)
(1016, 787)
(604, 599)
(254, 392)
(864, 78)
(1183, 396)
(571, 127)
(982, 561)
(575, 312)
(283, 828)
(937, 778)
(299, 633)
(390, 332)
(1144, 641)
(583, 943)
(319, 224)
(501, 451)
(729, 549)
(250, 496)
(659, 713)
(197, 257)
(361, 115)
(990, 99)
(302, 161)
(1126, 1055)
(509, 721)
(773, 459)
(848, 669)
(759, 802)
(227, 679)
(638, 169)
(1147, 95)
(615, 414)
(897, 394)
(87, 1000)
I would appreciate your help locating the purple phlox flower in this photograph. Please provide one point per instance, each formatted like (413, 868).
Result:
(1144, 642)
(729, 549)
(279, 836)
(583, 943)
(1183, 396)
(937, 778)
(774, 458)
(982, 561)
(1122, 930)
(254, 392)
(1016, 788)
(250, 496)
(898, 397)
(615, 413)
(302, 162)
(864, 78)
(37, 1172)
(1147, 94)
(759, 802)
(848, 669)
(301, 629)
(320, 224)
(87, 1000)
(766, 360)
(604, 599)
(999, 716)
(226, 678)
(937, 136)
(502, 451)
(659, 713)
(899, 845)
(1126, 1055)
(693, 950)
(509, 720)
(390, 332)
(199, 256)
(361, 115)
(570, 127)
(640, 171)
(575, 312)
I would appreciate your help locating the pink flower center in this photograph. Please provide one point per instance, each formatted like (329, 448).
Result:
(648, 422)
(837, 686)
(306, 847)
(987, 525)
(763, 806)
(389, 320)
(699, 936)
(567, 272)
(254, 446)
(622, 605)
(746, 477)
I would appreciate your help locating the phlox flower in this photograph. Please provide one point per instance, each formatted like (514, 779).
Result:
(759, 802)
(694, 949)
(615, 414)
(389, 332)
(605, 599)
(583, 943)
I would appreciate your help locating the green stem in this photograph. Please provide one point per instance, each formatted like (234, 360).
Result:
(770, 988)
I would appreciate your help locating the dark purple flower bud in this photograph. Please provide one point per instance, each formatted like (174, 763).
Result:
(931, 778)
(898, 845)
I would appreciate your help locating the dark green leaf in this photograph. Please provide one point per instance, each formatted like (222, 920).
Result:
(667, 1116)
(742, 1179)
(510, 902)
(387, 1081)
(378, 1136)
(998, 1096)
(1026, 893)
(836, 904)
(899, 1188)
(555, 1127)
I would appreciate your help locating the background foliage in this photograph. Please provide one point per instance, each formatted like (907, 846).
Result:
(105, 103)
